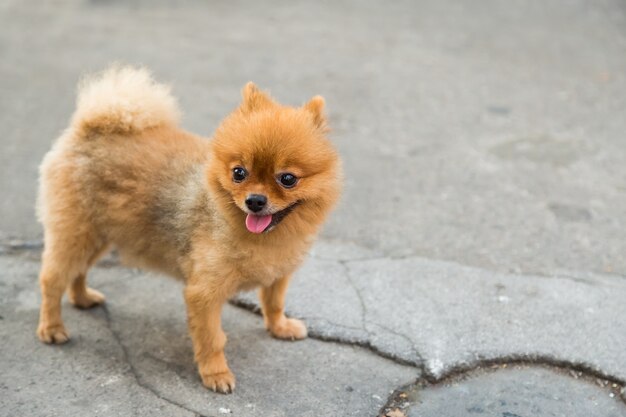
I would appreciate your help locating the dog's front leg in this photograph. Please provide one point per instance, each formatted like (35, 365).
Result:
(273, 306)
(204, 310)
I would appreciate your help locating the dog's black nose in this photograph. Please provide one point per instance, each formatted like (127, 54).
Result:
(256, 202)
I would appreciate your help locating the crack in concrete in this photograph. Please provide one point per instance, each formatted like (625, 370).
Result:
(426, 379)
(357, 291)
(565, 275)
(419, 359)
(359, 342)
(364, 322)
(133, 370)
(397, 399)
(16, 246)
(330, 323)
(545, 272)
(542, 360)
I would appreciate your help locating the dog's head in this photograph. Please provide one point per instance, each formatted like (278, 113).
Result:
(272, 166)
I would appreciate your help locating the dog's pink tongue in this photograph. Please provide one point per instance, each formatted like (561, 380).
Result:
(257, 224)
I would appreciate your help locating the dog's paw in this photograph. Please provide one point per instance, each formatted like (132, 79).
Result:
(53, 334)
(290, 329)
(223, 382)
(88, 299)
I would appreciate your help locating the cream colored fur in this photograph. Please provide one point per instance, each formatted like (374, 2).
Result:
(124, 100)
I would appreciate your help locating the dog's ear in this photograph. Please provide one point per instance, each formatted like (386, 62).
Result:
(315, 106)
(254, 99)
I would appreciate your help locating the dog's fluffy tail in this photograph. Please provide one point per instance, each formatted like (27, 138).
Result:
(123, 100)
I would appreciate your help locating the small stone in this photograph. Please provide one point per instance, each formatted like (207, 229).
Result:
(396, 412)
(223, 410)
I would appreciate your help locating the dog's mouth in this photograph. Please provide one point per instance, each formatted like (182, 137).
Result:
(264, 223)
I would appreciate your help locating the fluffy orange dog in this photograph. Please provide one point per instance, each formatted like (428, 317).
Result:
(225, 215)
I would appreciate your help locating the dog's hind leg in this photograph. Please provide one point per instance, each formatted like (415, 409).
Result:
(79, 294)
(64, 262)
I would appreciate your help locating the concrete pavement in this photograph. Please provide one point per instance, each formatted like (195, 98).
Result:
(474, 267)
(134, 357)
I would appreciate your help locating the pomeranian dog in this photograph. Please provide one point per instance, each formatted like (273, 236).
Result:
(223, 215)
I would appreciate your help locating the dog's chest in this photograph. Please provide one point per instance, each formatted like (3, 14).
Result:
(263, 267)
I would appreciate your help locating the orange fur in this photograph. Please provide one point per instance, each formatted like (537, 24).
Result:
(124, 175)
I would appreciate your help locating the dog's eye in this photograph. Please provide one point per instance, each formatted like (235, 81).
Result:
(239, 174)
(287, 180)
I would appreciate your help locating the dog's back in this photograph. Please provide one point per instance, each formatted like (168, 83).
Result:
(120, 170)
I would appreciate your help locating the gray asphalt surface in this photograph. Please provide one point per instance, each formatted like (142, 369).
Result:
(484, 146)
